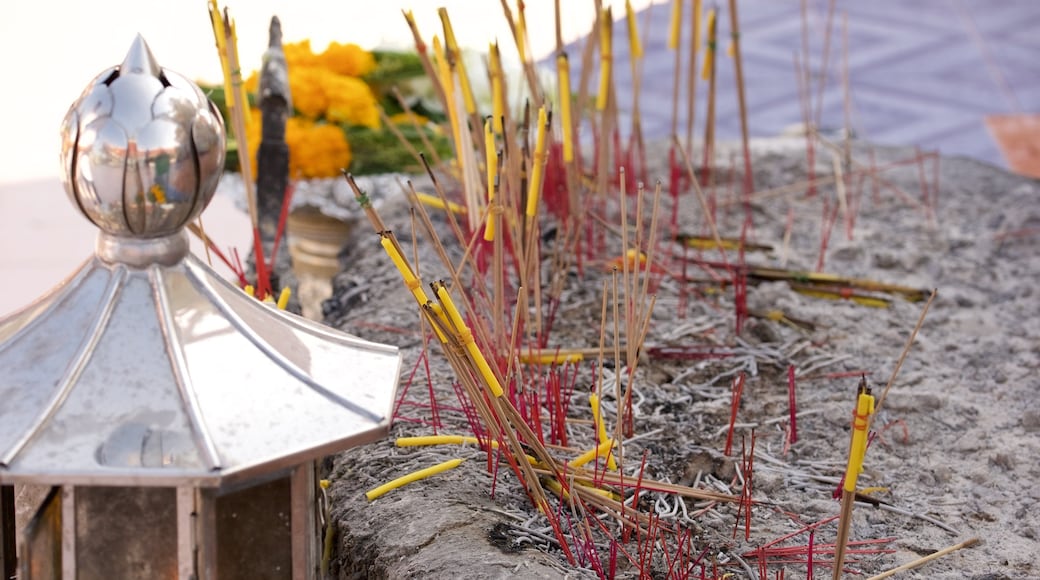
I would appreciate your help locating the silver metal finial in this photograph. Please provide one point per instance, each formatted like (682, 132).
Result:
(139, 59)
(142, 152)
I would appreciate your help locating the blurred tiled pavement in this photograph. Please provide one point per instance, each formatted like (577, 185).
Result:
(926, 72)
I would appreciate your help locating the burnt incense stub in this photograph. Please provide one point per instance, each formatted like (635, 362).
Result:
(146, 385)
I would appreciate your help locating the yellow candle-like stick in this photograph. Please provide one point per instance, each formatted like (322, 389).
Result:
(240, 99)
(411, 477)
(534, 187)
(563, 71)
(219, 35)
(601, 430)
(698, 15)
(491, 159)
(606, 59)
(448, 82)
(555, 487)
(552, 358)
(410, 279)
(858, 447)
(466, 336)
(434, 201)
(676, 25)
(598, 451)
(456, 56)
(498, 101)
(425, 440)
(635, 45)
(521, 33)
(709, 55)
(283, 298)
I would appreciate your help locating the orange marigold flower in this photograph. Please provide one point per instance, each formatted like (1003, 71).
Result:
(315, 149)
(307, 86)
(347, 59)
(299, 54)
(252, 84)
(350, 100)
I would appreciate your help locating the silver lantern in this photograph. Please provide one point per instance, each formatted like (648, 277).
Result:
(177, 419)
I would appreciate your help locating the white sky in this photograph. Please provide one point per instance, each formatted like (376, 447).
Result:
(50, 50)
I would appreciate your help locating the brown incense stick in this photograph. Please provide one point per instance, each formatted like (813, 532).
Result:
(709, 123)
(925, 559)
(691, 74)
(749, 184)
(823, 66)
(906, 351)
(677, 75)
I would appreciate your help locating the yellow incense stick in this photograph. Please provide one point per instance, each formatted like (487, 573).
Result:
(521, 34)
(858, 447)
(538, 165)
(555, 487)
(563, 72)
(425, 440)
(709, 55)
(452, 50)
(466, 336)
(857, 451)
(491, 160)
(434, 201)
(605, 59)
(598, 451)
(498, 99)
(218, 33)
(412, 477)
(601, 430)
(698, 14)
(448, 82)
(283, 298)
(551, 358)
(676, 25)
(411, 281)
(636, 45)
(828, 294)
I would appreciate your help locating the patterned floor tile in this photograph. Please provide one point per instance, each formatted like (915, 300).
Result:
(927, 74)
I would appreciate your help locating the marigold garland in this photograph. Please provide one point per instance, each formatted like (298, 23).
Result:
(326, 92)
(334, 105)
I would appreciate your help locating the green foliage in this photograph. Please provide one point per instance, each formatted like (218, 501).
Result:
(393, 67)
(373, 150)
(379, 151)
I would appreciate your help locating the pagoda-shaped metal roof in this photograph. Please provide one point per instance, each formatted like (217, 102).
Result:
(145, 367)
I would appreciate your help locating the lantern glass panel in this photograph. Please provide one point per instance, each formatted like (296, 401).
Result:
(254, 532)
(41, 547)
(126, 532)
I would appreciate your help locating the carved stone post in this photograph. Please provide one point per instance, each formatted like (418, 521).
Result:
(272, 160)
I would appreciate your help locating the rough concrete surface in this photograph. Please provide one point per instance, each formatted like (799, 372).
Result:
(958, 436)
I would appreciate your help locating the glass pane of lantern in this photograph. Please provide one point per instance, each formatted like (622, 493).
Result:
(254, 532)
(41, 548)
(126, 532)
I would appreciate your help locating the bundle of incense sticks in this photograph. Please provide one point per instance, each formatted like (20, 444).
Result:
(528, 209)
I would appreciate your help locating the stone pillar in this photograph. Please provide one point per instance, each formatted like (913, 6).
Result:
(272, 158)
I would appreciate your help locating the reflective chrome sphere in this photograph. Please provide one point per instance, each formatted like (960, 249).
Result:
(142, 148)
